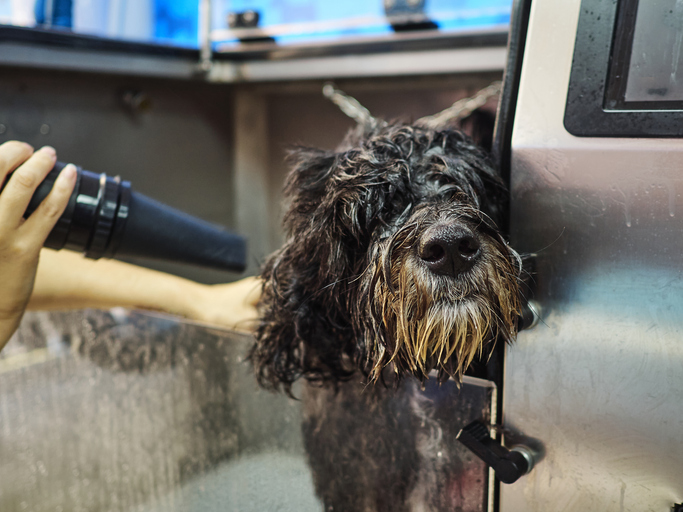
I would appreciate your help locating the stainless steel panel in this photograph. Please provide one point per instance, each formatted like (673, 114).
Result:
(178, 149)
(599, 380)
(120, 411)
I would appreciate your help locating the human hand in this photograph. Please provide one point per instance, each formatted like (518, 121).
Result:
(231, 305)
(21, 239)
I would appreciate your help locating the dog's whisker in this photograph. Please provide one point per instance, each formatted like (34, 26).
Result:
(551, 243)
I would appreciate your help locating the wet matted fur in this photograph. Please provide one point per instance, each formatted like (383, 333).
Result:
(353, 288)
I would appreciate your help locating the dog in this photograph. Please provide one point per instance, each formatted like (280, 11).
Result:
(394, 277)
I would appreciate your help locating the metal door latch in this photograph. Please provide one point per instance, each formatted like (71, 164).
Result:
(509, 465)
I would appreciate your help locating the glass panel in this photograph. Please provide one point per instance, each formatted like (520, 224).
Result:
(172, 22)
(175, 22)
(292, 21)
(656, 55)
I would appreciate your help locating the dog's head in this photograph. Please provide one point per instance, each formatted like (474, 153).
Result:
(392, 258)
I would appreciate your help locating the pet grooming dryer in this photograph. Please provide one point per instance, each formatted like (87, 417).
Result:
(105, 217)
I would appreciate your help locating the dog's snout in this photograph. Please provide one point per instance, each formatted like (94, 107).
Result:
(449, 250)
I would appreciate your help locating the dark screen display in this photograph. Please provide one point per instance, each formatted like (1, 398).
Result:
(626, 71)
(656, 68)
(647, 57)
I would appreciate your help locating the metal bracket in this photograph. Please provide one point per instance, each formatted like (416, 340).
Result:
(204, 36)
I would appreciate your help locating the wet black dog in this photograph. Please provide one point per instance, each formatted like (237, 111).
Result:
(393, 266)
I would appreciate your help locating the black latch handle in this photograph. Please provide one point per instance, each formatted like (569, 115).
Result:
(509, 465)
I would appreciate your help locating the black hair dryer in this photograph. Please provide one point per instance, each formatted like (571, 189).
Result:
(105, 217)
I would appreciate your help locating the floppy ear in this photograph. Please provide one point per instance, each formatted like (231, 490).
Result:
(302, 330)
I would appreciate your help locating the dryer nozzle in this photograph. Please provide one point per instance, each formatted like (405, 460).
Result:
(105, 217)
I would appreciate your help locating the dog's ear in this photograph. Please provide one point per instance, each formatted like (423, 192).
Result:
(302, 331)
(315, 217)
(333, 205)
(480, 125)
(306, 185)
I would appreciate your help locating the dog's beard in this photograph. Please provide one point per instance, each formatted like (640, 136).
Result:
(423, 321)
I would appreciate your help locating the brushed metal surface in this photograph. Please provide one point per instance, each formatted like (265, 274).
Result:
(600, 380)
(123, 411)
(119, 410)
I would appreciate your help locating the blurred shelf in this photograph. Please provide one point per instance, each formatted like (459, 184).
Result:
(396, 55)
(62, 50)
(369, 65)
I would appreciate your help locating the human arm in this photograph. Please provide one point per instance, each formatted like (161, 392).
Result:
(67, 280)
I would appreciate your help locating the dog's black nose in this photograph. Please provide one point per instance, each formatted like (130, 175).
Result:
(449, 250)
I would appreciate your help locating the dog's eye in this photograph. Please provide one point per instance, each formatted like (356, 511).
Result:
(448, 190)
(403, 217)
(441, 181)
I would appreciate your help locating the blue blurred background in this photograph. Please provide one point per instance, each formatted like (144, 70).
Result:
(175, 22)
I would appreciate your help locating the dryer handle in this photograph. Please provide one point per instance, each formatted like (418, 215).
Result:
(509, 465)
